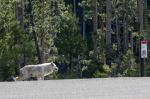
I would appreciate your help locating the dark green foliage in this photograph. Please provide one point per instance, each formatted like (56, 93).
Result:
(50, 31)
(129, 66)
(69, 41)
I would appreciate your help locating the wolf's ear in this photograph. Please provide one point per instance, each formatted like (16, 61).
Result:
(52, 63)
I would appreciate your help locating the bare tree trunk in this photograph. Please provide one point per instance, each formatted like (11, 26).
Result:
(131, 42)
(118, 47)
(43, 33)
(108, 23)
(101, 22)
(74, 7)
(19, 11)
(95, 24)
(141, 20)
(108, 31)
(84, 23)
(141, 24)
(125, 35)
(79, 67)
(118, 37)
(34, 33)
(145, 13)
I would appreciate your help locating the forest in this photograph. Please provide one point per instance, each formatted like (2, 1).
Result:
(84, 38)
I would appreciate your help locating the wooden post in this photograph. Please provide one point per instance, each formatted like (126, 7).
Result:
(142, 73)
(143, 56)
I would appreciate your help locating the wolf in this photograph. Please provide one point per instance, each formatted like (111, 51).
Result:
(38, 71)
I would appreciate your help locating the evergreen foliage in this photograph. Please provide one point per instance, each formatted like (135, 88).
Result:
(84, 38)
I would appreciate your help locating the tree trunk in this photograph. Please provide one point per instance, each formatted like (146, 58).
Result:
(118, 37)
(118, 47)
(125, 34)
(141, 23)
(84, 23)
(141, 26)
(74, 7)
(79, 68)
(94, 34)
(34, 33)
(43, 34)
(141, 20)
(19, 11)
(108, 31)
(131, 42)
(145, 13)
(108, 23)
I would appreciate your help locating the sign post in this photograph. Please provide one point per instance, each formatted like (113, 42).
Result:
(143, 55)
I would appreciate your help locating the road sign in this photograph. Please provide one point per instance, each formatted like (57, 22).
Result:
(143, 48)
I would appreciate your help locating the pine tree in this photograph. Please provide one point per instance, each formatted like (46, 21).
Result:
(12, 39)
